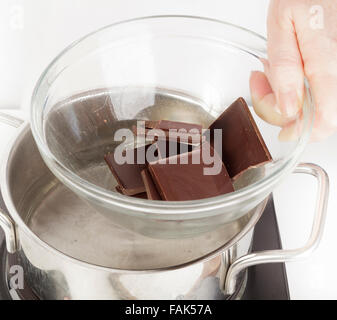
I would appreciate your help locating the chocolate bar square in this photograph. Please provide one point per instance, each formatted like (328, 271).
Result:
(179, 181)
(242, 142)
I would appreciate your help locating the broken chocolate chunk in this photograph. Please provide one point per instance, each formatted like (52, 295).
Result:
(242, 143)
(151, 190)
(150, 124)
(128, 174)
(171, 130)
(127, 192)
(187, 180)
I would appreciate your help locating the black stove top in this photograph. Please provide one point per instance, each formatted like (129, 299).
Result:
(265, 282)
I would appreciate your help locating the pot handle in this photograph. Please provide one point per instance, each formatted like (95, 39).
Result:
(276, 256)
(6, 222)
(10, 120)
(8, 226)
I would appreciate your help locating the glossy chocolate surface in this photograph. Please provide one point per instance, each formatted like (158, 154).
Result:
(242, 143)
(128, 174)
(179, 182)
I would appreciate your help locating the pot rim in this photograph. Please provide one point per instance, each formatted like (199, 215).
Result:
(21, 225)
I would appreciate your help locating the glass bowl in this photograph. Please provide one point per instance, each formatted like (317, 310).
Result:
(180, 68)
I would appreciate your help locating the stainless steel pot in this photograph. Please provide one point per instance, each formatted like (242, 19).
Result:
(71, 256)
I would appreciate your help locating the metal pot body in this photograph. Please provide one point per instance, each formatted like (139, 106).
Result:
(52, 276)
(209, 267)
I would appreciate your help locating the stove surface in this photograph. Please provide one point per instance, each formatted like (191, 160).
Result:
(267, 281)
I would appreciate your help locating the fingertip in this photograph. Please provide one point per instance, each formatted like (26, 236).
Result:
(287, 134)
(292, 131)
(259, 85)
(266, 110)
(264, 101)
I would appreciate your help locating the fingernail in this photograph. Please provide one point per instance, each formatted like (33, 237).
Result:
(288, 103)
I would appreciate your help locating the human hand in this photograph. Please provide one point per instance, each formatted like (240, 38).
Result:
(302, 41)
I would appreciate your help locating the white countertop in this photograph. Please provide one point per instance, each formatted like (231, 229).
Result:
(314, 278)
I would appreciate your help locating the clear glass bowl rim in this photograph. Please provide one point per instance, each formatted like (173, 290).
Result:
(165, 209)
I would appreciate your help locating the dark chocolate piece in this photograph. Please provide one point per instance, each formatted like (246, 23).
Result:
(160, 134)
(142, 195)
(150, 124)
(171, 131)
(118, 189)
(179, 182)
(242, 143)
(173, 125)
(128, 175)
(169, 148)
(151, 190)
(127, 192)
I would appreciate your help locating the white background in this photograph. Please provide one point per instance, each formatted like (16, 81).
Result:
(32, 32)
